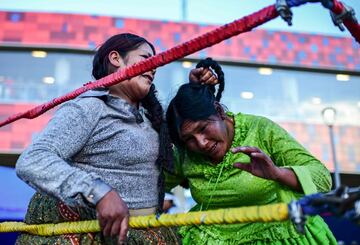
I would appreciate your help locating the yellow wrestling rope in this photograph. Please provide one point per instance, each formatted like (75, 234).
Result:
(266, 213)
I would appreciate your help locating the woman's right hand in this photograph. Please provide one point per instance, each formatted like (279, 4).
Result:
(113, 215)
(203, 76)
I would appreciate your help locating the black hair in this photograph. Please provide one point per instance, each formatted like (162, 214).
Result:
(155, 114)
(123, 43)
(194, 102)
(210, 63)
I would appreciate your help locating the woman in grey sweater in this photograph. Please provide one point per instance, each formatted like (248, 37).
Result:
(102, 154)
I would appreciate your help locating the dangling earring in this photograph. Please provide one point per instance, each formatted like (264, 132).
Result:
(232, 120)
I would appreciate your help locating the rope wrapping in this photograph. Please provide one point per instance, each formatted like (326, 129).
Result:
(351, 24)
(266, 213)
(294, 3)
(337, 8)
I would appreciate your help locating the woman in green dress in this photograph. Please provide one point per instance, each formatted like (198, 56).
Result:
(234, 160)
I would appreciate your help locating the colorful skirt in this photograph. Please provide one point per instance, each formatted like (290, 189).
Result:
(45, 209)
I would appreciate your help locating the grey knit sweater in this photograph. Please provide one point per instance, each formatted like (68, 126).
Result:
(92, 144)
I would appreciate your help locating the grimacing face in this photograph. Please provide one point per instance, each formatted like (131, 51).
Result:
(138, 87)
(210, 137)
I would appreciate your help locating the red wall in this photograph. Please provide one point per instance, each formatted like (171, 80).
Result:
(17, 135)
(260, 46)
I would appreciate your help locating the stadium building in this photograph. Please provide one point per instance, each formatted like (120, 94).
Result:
(288, 77)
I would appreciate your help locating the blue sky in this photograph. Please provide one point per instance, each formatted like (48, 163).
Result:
(311, 18)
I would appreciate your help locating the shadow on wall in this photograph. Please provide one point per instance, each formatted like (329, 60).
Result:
(8, 238)
(344, 231)
(14, 198)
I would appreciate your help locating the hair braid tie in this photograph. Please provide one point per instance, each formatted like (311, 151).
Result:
(210, 63)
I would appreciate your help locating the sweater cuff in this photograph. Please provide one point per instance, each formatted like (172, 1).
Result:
(98, 191)
(304, 177)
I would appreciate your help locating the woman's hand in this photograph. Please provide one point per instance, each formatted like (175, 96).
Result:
(113, 216)
(260, 164)
(203, 76)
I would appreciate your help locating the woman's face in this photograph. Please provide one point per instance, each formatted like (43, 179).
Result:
(211, 137)
(137, 87)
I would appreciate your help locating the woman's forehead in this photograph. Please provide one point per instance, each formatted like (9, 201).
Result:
(145, 47)
(189, 125)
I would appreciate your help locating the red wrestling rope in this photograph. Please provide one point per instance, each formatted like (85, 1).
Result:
(352, 26)
(208, 39)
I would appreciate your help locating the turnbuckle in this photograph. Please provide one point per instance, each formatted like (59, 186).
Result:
(297, 216)
(284, 11)
(347, 13)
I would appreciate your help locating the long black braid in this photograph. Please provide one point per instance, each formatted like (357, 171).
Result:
(164, 161)
(210, 63)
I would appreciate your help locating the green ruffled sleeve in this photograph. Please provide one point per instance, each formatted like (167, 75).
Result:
(285, 151)
(177, 178)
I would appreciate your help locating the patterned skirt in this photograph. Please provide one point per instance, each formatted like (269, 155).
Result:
(45, 209)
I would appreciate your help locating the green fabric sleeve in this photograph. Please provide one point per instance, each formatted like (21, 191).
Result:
(285, 151)
(176, 178)
(305, 178)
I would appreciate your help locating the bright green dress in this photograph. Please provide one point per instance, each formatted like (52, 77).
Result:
(223, 186)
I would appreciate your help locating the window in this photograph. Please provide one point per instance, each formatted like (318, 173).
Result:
(281, 94)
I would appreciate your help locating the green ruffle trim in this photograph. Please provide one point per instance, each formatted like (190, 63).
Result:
(222, 171)
(317, 232)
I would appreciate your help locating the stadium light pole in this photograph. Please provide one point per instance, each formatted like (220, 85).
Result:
(329, 117)
(184, 10)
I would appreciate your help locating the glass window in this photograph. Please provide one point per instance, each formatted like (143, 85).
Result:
(27, 76)
(283, 95)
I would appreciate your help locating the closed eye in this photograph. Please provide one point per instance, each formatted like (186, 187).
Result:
(202, 129)
(148, 55)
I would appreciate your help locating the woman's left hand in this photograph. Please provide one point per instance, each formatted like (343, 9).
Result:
(260, 164)
(203, 76)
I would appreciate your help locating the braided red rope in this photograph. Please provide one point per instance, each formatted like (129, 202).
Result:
(208, 39)
(353, 27)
